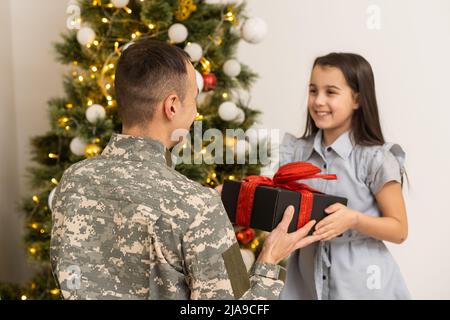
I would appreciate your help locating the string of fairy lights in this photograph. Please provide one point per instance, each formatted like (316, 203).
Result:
(101, 75)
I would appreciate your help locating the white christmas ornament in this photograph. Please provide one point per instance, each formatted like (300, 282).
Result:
(119, 3)
(77, 146)
(249, 258)
(95, 113)
(254, 30)
(240, 117)
(85, 36)
(199, 78)
(228, 111)
(194, 50)
(232, 68)
(50, 198)
(203, 97)
(178, 33)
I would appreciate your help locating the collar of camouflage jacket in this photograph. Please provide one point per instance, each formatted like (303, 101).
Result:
(134, 148)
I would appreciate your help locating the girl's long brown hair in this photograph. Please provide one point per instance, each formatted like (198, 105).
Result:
(358, 73)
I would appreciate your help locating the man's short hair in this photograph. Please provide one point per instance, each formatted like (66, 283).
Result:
(147, 72)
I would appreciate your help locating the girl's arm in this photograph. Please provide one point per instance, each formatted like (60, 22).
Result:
(392, 226)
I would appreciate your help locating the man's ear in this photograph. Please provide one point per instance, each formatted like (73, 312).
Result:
(171, 104)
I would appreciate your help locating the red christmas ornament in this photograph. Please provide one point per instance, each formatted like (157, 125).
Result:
(245, 236)
(209, 81)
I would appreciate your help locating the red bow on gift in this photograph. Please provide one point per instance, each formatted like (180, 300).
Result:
(286, 178)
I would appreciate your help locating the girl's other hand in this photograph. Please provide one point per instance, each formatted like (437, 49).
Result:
(340, 220)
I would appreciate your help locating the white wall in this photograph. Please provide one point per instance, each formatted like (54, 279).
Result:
(29, 77)
(9, 191)
(410, 57)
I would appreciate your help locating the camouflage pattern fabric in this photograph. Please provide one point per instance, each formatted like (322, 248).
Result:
(128, 226)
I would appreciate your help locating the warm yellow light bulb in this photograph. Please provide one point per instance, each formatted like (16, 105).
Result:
(94, 68)
(69, 106)
(151, 26)
(108, 86)
(104, 20)
(53, 156)
(231, 177)
(54, 291)
(90, 102)
(32, 250)
(23, 297)
(111, 66)
(80, 78)
(34, 225)
(54, 181)
(35, 199)
(214, 175)
(62, 122)
(109, 98)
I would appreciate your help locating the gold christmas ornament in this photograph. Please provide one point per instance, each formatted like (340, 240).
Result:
(92, 150)
(230, 16)
(185, 9)
(206, 65)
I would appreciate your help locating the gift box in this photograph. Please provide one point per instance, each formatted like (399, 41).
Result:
(259, 202)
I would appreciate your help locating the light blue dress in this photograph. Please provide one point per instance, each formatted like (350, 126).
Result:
(352, 266)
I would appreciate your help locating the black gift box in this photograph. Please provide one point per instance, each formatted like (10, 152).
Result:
(271, 202)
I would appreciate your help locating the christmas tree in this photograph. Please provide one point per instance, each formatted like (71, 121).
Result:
(83, 121)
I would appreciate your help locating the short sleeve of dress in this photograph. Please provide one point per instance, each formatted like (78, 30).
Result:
(386, 164)
(287, 149)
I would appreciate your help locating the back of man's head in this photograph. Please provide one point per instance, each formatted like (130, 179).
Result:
(147, 72)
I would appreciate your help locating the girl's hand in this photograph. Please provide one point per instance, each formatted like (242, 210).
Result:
(340, 220)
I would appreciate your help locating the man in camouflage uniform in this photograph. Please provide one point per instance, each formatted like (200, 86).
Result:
(126, 225)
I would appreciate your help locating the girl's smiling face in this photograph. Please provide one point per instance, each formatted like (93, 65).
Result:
(331, 101)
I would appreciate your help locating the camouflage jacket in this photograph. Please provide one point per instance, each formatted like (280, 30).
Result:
(128, 226)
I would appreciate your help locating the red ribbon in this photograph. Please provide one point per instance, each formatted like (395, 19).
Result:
(286, 178)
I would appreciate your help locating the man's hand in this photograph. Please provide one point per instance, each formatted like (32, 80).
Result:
(340, 220)
(280, 244)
